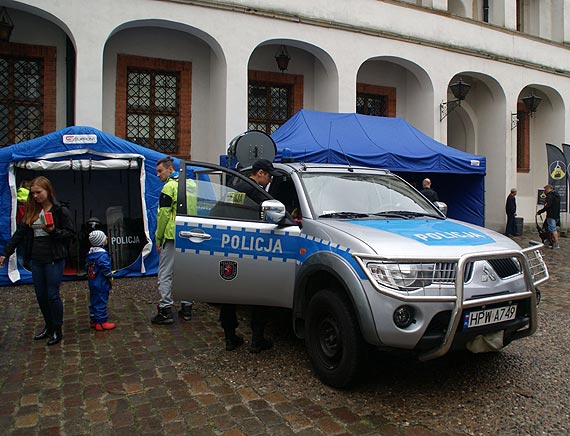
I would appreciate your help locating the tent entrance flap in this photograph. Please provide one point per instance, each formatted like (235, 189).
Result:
(109, 190)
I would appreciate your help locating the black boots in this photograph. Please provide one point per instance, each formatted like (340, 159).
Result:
(164, 316)
(185, 311)
(56, 336)
(260, 344)
(233, 342)
(47, 331)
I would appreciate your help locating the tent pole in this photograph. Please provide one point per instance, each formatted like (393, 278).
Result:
(82, 199)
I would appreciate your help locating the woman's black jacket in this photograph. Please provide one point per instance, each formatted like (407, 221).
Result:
(61, 236)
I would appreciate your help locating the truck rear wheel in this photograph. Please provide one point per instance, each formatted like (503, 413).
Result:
(333, 339)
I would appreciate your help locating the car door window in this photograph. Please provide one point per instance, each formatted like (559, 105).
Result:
(210, 192)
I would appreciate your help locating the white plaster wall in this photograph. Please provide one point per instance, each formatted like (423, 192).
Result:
(487, 101)
(497, 13)
(392, 17)
(557, 20)
(326, 88)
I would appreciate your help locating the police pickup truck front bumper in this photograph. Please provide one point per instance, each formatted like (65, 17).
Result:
(504, 286)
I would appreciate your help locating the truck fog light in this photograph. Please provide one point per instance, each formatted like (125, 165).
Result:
(404, 316)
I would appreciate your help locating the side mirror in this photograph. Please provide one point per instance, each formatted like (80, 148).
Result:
(273, 211)
(442, 207)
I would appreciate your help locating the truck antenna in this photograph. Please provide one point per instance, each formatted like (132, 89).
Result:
(345, 156)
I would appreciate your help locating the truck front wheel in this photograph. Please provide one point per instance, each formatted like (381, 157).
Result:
(333, 339)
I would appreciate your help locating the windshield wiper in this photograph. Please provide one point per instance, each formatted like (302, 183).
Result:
(343, 215)
(406, 214)
(392, 214)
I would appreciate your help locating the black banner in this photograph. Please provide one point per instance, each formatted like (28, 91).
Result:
(557, 173)
(566, 149)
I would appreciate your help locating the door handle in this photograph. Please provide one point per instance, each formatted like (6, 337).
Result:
(195, 234)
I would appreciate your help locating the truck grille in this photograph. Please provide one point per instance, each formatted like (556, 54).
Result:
(505, 267)
(445, 272)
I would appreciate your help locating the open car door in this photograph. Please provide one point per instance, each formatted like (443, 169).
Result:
(226, 250)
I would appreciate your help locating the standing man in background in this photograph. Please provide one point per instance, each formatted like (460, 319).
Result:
(552, 209)
(429, 193)
(164, 239)
(511, 211)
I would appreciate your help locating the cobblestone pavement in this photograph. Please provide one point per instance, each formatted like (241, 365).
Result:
(170, 380)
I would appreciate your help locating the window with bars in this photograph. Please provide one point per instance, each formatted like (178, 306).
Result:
(21, 99)
(372, 104)
(269, 106)
(153, 109)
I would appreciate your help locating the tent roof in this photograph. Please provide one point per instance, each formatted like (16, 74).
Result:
(54, 143)
(390, 143)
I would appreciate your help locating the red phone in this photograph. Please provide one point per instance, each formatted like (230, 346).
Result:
(49, 219)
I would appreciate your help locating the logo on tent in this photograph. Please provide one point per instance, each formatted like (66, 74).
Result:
(80, 139)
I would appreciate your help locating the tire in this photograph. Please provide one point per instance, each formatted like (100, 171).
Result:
(333, 339)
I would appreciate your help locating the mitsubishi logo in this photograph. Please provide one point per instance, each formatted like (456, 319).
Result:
(488, 274)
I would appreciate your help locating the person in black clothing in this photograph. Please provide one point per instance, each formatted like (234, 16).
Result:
(262, 173)
(46, 229)
(511, 211)
(552, 209)
(429, 193)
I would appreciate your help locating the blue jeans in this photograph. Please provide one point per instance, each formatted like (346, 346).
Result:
(47, 277)
(551, 223)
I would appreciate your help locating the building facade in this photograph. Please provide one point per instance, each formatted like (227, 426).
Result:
(186, 76)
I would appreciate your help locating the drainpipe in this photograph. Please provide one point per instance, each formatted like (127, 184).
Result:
(70, 83)
(486, 11)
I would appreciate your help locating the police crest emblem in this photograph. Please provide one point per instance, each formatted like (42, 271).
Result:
(228, 269)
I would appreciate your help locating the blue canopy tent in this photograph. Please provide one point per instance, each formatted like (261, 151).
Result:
(389, 143)
(96, 175)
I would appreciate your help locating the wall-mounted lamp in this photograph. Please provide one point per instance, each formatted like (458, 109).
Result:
(531, 103)
(282, 58)
(6, 25)
(459, 90)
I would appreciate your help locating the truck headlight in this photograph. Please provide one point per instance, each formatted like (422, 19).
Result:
(402, 276)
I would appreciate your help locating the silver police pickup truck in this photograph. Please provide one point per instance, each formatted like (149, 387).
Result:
(359, 256)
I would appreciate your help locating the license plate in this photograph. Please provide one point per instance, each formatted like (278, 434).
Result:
(496, 315)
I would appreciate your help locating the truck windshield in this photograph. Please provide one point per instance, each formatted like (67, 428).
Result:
(357, 195)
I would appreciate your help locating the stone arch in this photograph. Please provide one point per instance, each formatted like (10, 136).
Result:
(480, 121)
(546, 125)
(204, 85)
(41, 31)
(414, 88)
(310, 64)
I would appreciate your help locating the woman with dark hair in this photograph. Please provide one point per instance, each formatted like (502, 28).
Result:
(46, 229)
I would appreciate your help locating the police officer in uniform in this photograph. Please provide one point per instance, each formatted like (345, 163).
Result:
(262, 174)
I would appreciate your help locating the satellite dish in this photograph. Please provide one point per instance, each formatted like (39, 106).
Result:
(251, 146)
